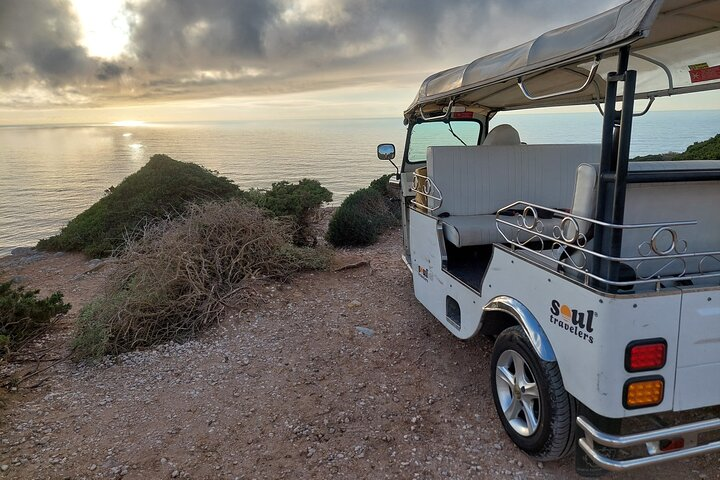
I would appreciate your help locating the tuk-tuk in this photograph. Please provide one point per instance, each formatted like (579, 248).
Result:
(599, 278)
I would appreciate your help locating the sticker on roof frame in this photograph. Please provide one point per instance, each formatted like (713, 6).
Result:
(701, 72)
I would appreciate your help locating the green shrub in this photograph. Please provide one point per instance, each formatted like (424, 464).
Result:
(657, 157)
(382, 184)
(163, 187)
(705, 150)
(360, 219)
(183, 274)
(364, 215)
(299, 201)
(24, 316)
(391, 198)
(92, 337)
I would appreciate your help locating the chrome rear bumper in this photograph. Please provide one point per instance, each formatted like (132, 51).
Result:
(689, 433)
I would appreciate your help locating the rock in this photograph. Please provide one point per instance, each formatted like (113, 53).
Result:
(93, 467)
(95, 264)
(22, 251)
(310, 452)
(361, 263)
(19, 279)
(175, 474)
(369, 332)
(4, 467)
(354, 304)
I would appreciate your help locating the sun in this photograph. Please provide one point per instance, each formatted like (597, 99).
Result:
(105, 26)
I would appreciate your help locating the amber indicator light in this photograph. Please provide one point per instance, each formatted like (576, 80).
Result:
(643, 392)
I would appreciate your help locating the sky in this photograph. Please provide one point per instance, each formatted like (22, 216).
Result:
(97, 61)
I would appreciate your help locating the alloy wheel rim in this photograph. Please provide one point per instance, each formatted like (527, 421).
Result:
(518, 393)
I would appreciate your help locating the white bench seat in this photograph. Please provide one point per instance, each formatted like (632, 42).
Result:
(475, 182)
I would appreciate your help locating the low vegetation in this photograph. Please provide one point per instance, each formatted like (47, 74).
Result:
(298, 201)
(24, 316)
(705, 150)
(364, 215)
(183, 273)
(163, 187)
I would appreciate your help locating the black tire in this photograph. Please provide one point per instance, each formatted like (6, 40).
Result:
(541, 414)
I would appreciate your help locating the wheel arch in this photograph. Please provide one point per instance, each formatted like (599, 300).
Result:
(502, 312)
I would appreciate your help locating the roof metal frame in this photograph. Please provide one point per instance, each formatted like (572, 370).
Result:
(645, 25)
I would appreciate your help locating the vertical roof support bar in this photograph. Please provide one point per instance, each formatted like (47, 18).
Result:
(617, 129)
(623, 157)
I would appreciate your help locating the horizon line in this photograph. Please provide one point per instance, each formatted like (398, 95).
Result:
(398, 117)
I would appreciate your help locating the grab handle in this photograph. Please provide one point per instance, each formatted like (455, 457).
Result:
(591, 76)
(445, 116)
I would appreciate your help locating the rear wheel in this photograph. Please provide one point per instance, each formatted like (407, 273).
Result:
(534, 408)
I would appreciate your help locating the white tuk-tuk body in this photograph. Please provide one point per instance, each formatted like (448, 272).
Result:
(598, 261)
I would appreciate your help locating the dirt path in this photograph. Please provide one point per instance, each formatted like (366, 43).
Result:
(292, 388)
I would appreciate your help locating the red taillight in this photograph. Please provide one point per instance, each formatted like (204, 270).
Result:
(645, 355)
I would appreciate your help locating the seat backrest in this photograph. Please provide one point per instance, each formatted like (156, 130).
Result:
(584, 199)
(480, 180)
(502, 135)
(669, 201)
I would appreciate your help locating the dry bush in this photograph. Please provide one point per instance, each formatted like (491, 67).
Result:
(182, 274)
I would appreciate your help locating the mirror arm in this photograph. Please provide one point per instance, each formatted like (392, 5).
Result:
(397, 170)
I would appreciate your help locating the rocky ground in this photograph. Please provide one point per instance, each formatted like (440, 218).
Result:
(337, 374)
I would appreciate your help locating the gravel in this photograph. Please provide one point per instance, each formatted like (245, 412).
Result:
(338, 374)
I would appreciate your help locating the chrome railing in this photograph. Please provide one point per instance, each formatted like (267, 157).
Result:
(424, 186)
(562, 238)
(651, 440)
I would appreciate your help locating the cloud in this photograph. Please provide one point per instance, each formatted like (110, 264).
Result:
(42, 60)
(189, 49)
(108, 71)
(38, 41)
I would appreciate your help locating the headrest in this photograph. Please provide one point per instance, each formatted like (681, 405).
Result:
(502, 135)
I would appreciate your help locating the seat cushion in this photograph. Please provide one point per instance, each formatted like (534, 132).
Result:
(468, 230)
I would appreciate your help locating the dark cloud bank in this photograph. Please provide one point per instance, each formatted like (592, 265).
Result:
(202, 49)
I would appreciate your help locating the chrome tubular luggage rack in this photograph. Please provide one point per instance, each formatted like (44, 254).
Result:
(423, 185)
(663, 251)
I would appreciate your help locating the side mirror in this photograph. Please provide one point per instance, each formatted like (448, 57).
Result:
(386, 151)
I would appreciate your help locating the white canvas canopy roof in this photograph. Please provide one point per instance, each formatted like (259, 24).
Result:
(675, 48)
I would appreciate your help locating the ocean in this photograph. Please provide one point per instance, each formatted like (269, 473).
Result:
(52, 173)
